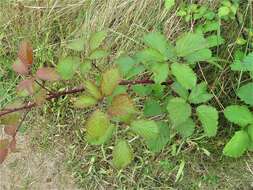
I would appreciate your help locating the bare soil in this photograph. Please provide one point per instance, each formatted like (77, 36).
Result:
(32, 169)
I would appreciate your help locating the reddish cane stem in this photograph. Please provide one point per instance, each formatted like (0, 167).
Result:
(75, 90)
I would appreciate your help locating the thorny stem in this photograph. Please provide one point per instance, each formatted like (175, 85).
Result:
(75, 90)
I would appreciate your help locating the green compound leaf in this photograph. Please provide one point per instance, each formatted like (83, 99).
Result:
(142, 90)
(147, 129)
(169, 4)
(84, 101)
(180, 90)
(250, 131)
(96, 39)
(93, 90)
(98, 54)
(186, 128)
(157, 90)
(67, 67)
(214, 41)
(122, 154)
(223, 11)
(98, 128)
(201, 55)
(245, 65)
(184, 75)
(250, 147)
(137, 69)
(241, 41)
(251, 74)
(120, 89)
(107, 136)
(152, 108)
(85, 67)
(157, 144)
(209, 27)
(239, 115)
(160, 72)
(125, 64)
(179, 111)
(122, 108)
(199, 94)
(190, 43)
(157, 41)
(237, 145)
(77, 44)
(148, 56)
(110, 80)
(245, 93)
(208, 116)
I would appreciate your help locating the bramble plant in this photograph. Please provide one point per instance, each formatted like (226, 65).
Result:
(176, 102)
(241, 115)
(169, 82)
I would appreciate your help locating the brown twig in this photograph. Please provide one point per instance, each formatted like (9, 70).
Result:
(21, 122)
(24, 107)
(43, 86)
(75, 90)
(66, 92)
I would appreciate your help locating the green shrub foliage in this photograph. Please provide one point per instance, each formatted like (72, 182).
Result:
(177, 104)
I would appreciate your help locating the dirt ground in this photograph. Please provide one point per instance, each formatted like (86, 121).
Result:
(29, 169)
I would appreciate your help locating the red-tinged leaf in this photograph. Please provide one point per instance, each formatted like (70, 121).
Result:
(122, 108)
(3, 154)
(20, 68)
(26, 87)
(4, 143)
(13, 144)
(25, 53)
(47, 73)
(10, 130)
